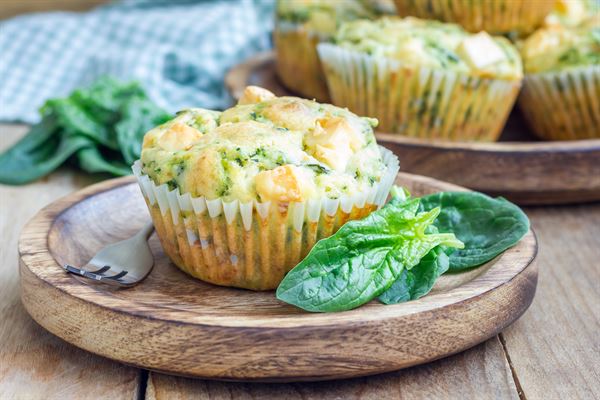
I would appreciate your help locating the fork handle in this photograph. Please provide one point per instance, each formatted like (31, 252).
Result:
(146, 231)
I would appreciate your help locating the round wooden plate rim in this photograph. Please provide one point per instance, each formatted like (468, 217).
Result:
(241, 73)
(43, 221)
(589, 145)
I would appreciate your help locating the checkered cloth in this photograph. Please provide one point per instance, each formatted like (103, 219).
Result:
(179, 50)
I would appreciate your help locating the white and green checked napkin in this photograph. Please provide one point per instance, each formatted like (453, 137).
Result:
(179, 50)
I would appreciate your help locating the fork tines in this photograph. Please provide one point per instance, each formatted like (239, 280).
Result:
(98, 274)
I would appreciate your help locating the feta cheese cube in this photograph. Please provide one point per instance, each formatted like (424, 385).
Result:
(480, 51)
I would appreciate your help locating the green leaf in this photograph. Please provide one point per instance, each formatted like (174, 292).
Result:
(107, 95)
(75, 118)
(38, 153)
(363, 259)
(138, 116)
(486, 226)
(103, 123)
(91, 160)
(37, 135)
(418, 281)
(399, 194)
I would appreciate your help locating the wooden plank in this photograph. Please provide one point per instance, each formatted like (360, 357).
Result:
(555, 348)
(33, 363)
(479, 373)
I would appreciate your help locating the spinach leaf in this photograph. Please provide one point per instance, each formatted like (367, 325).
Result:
(106, 96)
(100, 127)
(363, 259)
(35, 138)
(486, 226)
(74, 117)
(138, 117)
(418, 281)
(37, 154)
(91, 160)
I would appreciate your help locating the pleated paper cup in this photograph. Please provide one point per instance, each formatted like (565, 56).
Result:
(251, 245)
(519, 17)
(563, 105)
(297, 63)
(418, 101)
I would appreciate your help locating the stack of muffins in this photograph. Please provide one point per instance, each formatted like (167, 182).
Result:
(301, 25)
(448, 69)
(239, 197)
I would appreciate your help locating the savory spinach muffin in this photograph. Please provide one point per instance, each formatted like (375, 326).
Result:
(239, 197)
(498, 17)
(423, 78)
(300, 25)
(572, 12)
(561, 91)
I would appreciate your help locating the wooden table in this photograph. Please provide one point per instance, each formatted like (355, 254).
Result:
(552, 352)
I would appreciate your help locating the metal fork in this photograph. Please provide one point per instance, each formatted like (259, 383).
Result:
(125, 263)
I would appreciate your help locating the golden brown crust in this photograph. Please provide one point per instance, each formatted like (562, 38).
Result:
(421, 102)
(228, 255)
(563, 105)
(297, 63)
(220, 155)
(519, 17)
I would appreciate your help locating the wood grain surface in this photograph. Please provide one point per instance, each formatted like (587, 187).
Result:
(478, 373)
(180, 325)
(33, 363)
(560, 341)
(549, 358)
(519, 167)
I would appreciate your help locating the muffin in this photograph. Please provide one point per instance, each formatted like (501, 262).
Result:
(423, 78)
(572, 12)
(239, 197)
(300, 25)
(561, 90)
(498, 17)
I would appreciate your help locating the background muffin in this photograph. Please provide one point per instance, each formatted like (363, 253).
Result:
(423, 78)
(300, 25)
(238, 198)
(502, 17)
(572, 12)
(561, 91)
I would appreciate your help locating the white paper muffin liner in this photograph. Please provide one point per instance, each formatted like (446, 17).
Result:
(418, 101)
(251, 245)
(297, 63)
(563, 105)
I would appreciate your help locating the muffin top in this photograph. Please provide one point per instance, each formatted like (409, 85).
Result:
(265, 148)
(572, 12)
(324, 16)
(559, 48)
(427, 43)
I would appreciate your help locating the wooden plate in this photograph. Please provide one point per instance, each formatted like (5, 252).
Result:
(178, 325)
(519, 166)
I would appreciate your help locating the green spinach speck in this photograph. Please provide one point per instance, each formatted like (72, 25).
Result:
(318, 169)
